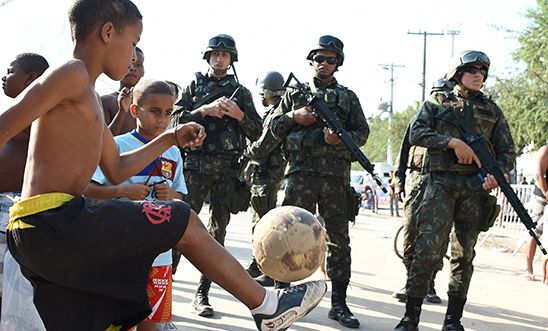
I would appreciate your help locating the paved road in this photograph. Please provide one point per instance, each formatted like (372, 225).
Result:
(499, 298)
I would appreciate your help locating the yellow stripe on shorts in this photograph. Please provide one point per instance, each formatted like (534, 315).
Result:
(35, 205)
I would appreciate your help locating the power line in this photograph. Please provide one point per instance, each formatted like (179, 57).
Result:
(425, 34)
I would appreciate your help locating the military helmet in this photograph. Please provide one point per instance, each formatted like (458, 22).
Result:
(328, 43)
(467, 58)
(224, 43)
(271, 84)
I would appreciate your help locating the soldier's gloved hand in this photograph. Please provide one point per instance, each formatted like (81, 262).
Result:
(465, 154)
(303, 116)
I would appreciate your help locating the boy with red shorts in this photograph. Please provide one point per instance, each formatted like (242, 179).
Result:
(161, 180)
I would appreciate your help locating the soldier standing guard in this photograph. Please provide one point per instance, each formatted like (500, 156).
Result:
(266, 163)
(225, 108)
(318, 172)
(456, 194)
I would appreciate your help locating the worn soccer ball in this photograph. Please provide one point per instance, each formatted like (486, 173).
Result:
(289, 243)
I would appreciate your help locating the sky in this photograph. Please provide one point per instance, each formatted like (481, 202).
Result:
(277, 35)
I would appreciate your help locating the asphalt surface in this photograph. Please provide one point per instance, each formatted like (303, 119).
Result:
(499, 298)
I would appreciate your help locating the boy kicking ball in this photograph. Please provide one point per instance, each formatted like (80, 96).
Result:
(88, 263)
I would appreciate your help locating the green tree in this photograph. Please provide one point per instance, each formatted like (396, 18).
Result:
(375, 148)
(524, 97)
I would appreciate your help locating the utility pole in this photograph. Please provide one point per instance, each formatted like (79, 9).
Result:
(425, 34)
(453, 33)
(390, 67)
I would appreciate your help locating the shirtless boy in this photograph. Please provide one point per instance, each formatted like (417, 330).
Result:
(87, 272)
(117, 115)
(21, 72)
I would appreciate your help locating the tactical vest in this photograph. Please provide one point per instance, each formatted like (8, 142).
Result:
(416, 158)
(305, 142)
(224, 135)
(478, 114)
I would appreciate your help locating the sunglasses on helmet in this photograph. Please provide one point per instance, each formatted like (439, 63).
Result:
(322, 58)
(474, 57)
(475, 70)
(330, 41)
(218, 41)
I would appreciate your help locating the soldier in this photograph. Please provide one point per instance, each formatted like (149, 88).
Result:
(318, 172)
(455, 195)
(412, 187)
(225, 108)
(265, 162)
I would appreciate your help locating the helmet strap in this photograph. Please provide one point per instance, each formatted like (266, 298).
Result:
(464, 91)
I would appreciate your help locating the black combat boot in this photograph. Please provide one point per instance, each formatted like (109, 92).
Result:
(339, 310)
(410, 321)
(201, 301)
(455, 306)
(253, 269)
(432, 296)
(264, 280)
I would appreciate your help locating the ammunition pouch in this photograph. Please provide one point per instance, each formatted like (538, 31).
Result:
(263, 198)
(353, 202)
(238, 195)
(416, 157)
(489, 214)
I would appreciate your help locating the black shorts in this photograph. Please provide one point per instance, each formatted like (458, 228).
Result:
(88, 263)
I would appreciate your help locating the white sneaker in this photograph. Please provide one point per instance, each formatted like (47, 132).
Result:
(294, 302)
(168, 326)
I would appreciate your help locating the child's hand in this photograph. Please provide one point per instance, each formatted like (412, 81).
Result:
(125, 98)
(165, 192)
(134, 191)
(190, 134)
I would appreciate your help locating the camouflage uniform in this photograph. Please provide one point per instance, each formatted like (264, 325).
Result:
(318, 173)
(412, 158)
(210, 167)
(453, 195)
(267, 171)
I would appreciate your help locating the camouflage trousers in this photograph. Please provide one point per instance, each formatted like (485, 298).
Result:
(440, 208)
(263, 198)
(199, 185)
(414, 192)
(308, 190)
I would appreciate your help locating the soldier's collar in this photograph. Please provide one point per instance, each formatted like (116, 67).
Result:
(332, 84)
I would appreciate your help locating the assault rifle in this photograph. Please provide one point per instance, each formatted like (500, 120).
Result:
(490, 166)
(322, 112)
